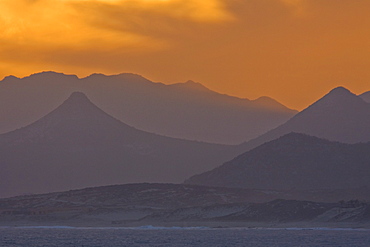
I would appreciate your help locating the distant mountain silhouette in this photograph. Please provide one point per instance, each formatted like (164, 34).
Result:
(338, 116)
(294, 162)
(183, 110)
(78, 145)
(365, 96)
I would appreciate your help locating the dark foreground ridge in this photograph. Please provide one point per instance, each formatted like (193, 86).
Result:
(294, 162)
(177, 205)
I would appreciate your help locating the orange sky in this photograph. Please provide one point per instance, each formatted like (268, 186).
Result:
(292, 50)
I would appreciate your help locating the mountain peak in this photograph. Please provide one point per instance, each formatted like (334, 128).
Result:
(338, 97)
(78, 101)
(340, 90)
(10, 78)
(78, 96)
(77, 119)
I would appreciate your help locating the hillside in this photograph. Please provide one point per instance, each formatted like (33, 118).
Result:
(294, 162)
(78, 145)
(338, 116)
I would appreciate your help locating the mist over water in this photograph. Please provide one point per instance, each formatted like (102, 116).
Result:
(152, 236)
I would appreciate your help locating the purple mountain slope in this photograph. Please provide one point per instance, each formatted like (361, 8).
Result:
(184, 110)
(294, 162)
(78, 145)
(365, 96)
(338, 116)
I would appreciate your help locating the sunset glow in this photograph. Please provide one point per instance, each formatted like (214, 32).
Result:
(291, 50)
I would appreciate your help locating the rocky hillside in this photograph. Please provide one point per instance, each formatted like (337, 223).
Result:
(176, 205)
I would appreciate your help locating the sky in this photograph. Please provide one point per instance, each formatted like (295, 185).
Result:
(294, 51)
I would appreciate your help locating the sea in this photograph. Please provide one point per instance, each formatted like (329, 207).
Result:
(178, 237)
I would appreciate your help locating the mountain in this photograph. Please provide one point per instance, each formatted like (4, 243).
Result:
(365, 96)
(176, 205)
(294, 162)
(182, 110)
(79, 145)
(338, 116)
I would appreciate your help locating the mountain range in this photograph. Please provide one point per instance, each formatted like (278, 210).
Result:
(338, 116)
(182, 110)
(294, 162)
(78, 145)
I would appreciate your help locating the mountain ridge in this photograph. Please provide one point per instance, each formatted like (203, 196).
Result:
(339, 115)
(178, 111)
(294, 162)
(79, 145)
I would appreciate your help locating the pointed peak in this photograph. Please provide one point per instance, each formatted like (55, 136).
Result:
(78, 97)
(339, 94)
(77, 100)
(340, 90)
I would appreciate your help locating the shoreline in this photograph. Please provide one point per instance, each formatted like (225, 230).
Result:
(150, 227)
(190, 225)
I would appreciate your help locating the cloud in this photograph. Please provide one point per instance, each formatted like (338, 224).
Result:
(85, 23)
(247, 48)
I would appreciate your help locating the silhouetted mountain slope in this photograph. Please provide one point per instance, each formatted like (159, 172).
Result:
(338, 116)
(365, 96)
(294, 162)
(184, 110)
(78, 145)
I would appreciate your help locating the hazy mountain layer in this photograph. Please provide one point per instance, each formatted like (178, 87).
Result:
(78, 145)
(338, 116)
(184, 110)
(294, 162)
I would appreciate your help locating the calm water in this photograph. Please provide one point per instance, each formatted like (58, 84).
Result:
(147, 236)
